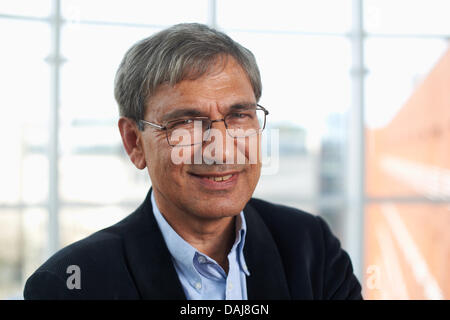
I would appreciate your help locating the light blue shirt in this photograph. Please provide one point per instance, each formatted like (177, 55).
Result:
(203, 278)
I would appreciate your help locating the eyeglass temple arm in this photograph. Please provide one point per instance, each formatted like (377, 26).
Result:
(266, 112)
(153, 124)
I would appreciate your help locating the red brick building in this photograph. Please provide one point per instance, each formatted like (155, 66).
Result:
(407, 242)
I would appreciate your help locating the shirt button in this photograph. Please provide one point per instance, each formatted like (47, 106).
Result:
(230, 286)
(198, 285)
(201, 259)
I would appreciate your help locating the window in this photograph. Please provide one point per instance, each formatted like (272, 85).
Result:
(59, 77)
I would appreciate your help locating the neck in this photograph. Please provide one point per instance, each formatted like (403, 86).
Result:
(212, 237)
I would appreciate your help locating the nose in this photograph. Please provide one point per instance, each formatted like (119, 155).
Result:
(219, 148)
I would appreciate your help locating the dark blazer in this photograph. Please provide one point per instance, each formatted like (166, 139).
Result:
(290, 255)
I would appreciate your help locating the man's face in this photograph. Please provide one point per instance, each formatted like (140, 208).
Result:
(189, 188)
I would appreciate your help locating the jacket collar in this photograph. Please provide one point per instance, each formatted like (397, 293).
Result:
(152, 270)
(149, 260)
(267, 278)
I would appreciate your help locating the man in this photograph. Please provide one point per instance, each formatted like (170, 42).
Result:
(198, 234)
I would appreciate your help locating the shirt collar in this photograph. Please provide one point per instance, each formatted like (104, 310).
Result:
(183, 253)
(241, 231)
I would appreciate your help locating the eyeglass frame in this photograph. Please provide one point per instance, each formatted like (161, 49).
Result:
(164, 127)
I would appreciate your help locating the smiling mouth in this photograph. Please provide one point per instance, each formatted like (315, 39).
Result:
(222, 178)
(216, 177)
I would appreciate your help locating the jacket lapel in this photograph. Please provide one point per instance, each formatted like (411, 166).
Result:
(152, 270)
(267, 279)
(149, 260)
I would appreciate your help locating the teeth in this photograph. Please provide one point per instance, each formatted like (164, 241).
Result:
(217, 179)
(227, 177)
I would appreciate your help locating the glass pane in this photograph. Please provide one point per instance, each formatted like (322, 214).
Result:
(306, 88)
(101, 176)
(296, 73)
(407, 251)
(23, 238)
(407, 16)
(408, 118)
(93, 54)
(152, 12)
(396, 67)
(92, 153)
(25, 103)
(32, 8)
(79, 222)
(285, 15)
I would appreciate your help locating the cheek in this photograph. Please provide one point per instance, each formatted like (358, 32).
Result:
(254, 174)
(161, 163)
(158, 160)
(251, 148)
(186, 155)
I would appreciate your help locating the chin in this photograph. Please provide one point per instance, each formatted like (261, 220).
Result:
(219, 209)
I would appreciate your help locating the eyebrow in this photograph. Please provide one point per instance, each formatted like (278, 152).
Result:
(179, 113)
(191, 112)
(242, 106)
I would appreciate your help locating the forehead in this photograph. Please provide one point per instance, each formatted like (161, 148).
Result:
(224, 84)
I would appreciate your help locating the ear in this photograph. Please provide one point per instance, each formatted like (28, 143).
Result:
(132, 141)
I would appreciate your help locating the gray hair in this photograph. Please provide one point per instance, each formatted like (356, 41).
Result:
(183, 51)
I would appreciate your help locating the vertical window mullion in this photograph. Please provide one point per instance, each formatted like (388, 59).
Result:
(355, 146)
(53, 147)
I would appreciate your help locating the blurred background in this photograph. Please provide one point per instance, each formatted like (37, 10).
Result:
(358, 89)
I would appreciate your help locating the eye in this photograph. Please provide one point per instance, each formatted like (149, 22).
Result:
(239, 115)
(242, 116)
(179, 123)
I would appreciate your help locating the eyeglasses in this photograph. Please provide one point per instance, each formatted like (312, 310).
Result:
(242, 123)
